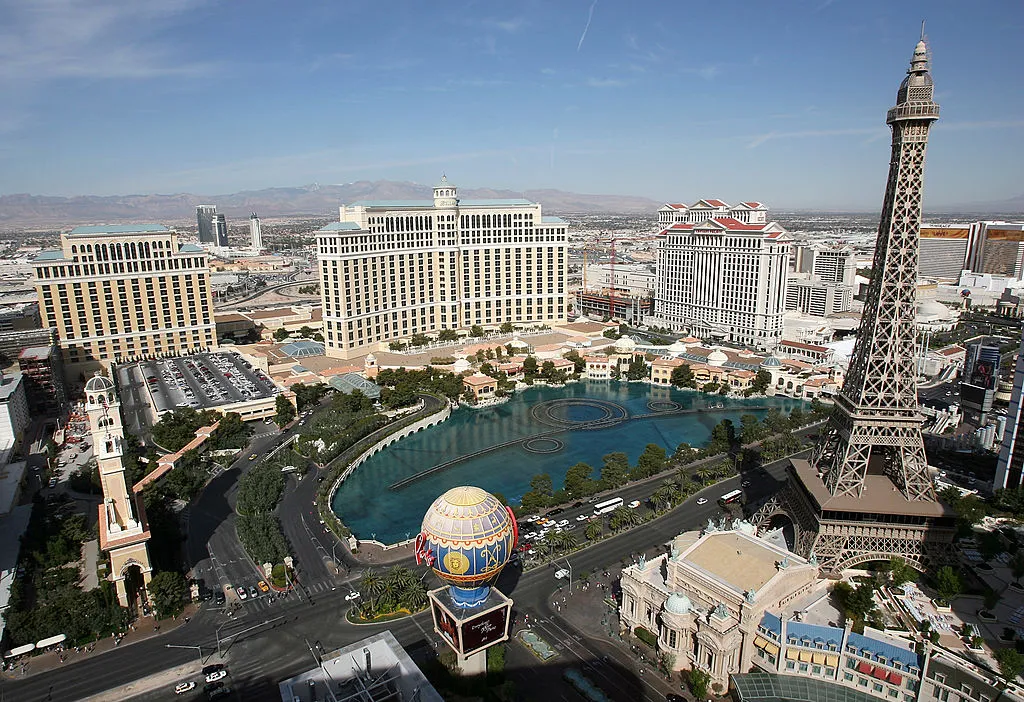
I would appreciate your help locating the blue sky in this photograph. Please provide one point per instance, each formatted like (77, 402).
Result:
(781, 101)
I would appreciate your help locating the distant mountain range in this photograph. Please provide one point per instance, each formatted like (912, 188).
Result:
(36, 211)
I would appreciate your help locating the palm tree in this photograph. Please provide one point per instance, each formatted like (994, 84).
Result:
(621, 518)
(414, 596)
(566, 540)
(371, 583)
(549, 544)
(704, 473)
(665, 495)
(594, 529)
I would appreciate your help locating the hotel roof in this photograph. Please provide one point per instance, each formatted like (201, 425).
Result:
(341, 227)
(52, 255)
(423, 204)
(118, 229)
(739, 561)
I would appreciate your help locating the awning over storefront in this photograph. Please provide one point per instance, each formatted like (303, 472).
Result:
(792, 654)
(895, 678)
(772, 649)
(880, 673)
(805, 656)
(865, 668)
(760, 641)
(818, 658)
(832, 661)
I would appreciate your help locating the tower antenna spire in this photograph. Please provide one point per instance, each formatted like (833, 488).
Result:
(922, 30)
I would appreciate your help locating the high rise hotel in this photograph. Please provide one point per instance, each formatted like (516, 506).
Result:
(118, 292)
(722, 272)
(391, 269)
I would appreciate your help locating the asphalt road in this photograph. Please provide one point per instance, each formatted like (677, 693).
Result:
(271, 643)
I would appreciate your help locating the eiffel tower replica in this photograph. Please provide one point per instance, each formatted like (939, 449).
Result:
(865, 495)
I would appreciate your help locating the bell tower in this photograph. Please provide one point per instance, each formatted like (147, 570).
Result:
(124, 532)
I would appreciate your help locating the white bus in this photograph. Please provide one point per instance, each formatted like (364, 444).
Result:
(607, 506)
(730, 497)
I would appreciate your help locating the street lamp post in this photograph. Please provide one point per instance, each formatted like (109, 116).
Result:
(198, 648)
(570, 576)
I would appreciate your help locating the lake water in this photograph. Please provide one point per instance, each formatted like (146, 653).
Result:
(540, 430)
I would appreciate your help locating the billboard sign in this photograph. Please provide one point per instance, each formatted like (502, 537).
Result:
(445, 625)
(985, 370)
(485, 630)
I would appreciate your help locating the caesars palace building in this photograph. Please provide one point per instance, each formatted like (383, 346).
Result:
(390, 269)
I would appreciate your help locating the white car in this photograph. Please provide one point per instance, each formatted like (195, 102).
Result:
(583, 518)
(634, 504)
(561, 573)
(702, 500)
(532, 518)
(216, 675)
(352, 596)
(183, 687)
(564, 523)
(241, 593)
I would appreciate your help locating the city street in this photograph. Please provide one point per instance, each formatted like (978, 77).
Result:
(272, 643)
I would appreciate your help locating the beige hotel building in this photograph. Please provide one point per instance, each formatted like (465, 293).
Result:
(116, 293)
(393, 268)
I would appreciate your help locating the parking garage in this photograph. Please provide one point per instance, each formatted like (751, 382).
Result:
(222, 381)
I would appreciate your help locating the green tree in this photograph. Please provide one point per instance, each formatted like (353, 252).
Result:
(1017, 566)
(900, 572)
(579, 365)
(168, 590)
(723, 436)
(651, 462)
(577, 477)
(709, 387)
(947, 583)
(447, 335)
(637, 369)
(761, 382)
(698, 681)
(542, 484)
(281, 334)
(682, 377)
(623, 518)
(969, 511)
(476, 331)
(856, 603)
(751, 429)
(797, 418)
(530, 367)
(665, 495)
(615, 470)
(775, 422)
(285, 410)
(507, 328)
(593, 530)
(1010, 663)
(306, 331)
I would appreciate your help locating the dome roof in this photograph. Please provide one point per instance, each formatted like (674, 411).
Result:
(771, 362)
(99, 383)
(518, 343)
(717, 357)
(678, 603)
(677, 347)
(624, 343)
(443, 183)
(461, 365)
(370, 358)
(467, 536)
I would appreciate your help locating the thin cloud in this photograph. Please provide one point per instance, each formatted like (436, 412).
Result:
(760, 139)
(605, 83)
(590, 18)
(510, 26)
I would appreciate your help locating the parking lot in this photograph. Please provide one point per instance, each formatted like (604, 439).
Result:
(201, 381)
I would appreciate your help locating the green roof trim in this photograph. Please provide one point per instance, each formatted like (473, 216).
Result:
(342, 227)
(190, 248)
(774, 687)
(119, 229)
(549, 219)
(52, 255)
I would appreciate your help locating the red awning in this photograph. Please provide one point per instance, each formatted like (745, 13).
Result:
(865, 668)
(880, 673)
(895, 678)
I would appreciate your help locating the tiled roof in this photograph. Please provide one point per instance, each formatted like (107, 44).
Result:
(119, 229)
(813, 632)
(341, 227)
(54, 255)
(872, 648)
(801, 345)
(772, 623)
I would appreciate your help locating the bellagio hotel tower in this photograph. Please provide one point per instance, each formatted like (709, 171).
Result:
(393, 268)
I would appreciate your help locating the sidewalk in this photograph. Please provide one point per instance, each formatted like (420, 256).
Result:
(144, 628)
(373, 555)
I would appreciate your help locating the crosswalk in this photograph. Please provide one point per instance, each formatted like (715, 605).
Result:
(263, 603)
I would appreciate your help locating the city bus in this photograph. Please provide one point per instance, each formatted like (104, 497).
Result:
(730, 497)
(607, 506)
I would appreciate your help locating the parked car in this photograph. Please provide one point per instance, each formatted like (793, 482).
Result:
(634, 504)
(252, 457)
(583, 518)
(702, 500)
(216, 675)
(241, 593)
(219, 598)
(263, 586)
(253, 592)
(183, 687)
(561, 573)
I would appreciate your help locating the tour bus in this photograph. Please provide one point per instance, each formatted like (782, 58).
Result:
(730, 497)
(607, 506)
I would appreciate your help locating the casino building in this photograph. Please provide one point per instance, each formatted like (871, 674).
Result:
(390, 269)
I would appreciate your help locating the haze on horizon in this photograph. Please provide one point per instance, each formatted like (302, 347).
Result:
(779, 102)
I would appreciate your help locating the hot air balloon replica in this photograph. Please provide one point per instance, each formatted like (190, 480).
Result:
(467, 537)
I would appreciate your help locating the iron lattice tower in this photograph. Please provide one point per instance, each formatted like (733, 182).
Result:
(876, 425)
(865, 495)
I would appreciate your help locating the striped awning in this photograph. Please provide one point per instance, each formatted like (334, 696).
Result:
(805, 656)
(818, 658)
(760, 641)
(832, 661)
(792, 654)
(772, 648)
